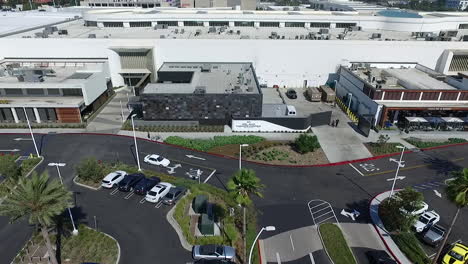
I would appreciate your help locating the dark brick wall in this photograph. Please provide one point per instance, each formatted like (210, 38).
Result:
(219, 107)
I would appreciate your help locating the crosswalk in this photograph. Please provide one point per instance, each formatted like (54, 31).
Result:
(429, 185)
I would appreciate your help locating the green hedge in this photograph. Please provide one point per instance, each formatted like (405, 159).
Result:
(207, 144)
(28, 165)
(409, 245)
(419, 143)
(382, 148)
(336, 245)
(173, 128)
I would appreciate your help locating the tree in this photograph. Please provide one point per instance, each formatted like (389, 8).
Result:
(457, 193)
(90, 169)
(396, 211)
(383, 139)
(306, 143)
(241, 186)
(9, 168)
(39, 200)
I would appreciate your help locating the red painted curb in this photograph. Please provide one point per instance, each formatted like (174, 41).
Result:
(259, 252)
(376, 230)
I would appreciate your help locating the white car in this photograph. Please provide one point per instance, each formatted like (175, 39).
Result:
(421, 210)
(158, 192)
(426, 220)
(112, 179)
(157, 160)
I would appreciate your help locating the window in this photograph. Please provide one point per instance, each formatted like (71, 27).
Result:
(140, 24)
(193, 23)
(13, 92)
(294, 24)
(168, 23)
(113, 24)
(243, 24)
(463, 26)
(53, 91)
(319, 25)
(345, 25)
(35, 91)
(72, 92)
(269, 24)
(6, 115)
(219, 23)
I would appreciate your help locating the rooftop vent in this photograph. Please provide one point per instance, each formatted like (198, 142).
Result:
(200, 90)
(206, 68)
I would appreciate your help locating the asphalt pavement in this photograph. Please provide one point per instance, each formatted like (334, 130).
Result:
(146, 237)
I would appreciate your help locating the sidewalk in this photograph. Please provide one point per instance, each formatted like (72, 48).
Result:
(380, 229)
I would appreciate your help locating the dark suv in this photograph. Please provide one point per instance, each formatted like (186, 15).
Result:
(143, 186)
(129, 182)
(291, 94)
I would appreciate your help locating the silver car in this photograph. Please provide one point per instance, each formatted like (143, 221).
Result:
(213, 252)
(434, 235)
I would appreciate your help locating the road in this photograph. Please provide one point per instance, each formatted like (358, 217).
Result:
(288, 190)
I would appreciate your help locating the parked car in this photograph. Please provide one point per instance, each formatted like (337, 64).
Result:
(158, 192)
(112, 179)
(173, 195)
(143, 186)
(426, 220)
(379, 257)
(422, 209)
(129, 181)
(213, 252)
(291, 94)
(434, 235)
(212, 261)
(157, 160)
(458, 254)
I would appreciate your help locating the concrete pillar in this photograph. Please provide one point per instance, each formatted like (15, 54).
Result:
(256, 24)
(126, 24)
(206, 23)
(36, 114)
(402, 95)
(180, 23)
(231, 24)
(153, 23)
(458, 96)
(15, 116)
(307, 24)
(100, 24)
(282, 24)
(332, 25)
(440, 95)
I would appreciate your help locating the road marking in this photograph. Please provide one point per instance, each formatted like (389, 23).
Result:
(194, 157)
(158, 204)
(209, 176)
(438, 193)
(433, 184)
(407, 168)
(278, 259)
(292, 243)
(128, 196)
(19, 139)
(356, 169)
(447, 180)
(311, 258)
(114, 191)
(398, 178)
(142, 201)
(9, 150)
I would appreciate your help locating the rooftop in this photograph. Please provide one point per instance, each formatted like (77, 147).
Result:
(414, 78)
(48, 101)
(201, 78)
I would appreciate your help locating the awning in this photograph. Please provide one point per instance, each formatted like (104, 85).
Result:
(434, 119)
(452, 120)
(416, 119)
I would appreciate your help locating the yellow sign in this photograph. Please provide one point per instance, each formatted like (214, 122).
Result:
(4, 102)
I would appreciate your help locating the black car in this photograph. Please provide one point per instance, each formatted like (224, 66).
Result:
(143, 186)
(291, 94)
(379, 257)
(173, 195)
(129, 181)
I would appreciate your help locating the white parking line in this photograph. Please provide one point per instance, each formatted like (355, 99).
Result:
(311, 258)
(158, 205)
(278, 259)
(209, 176)
(358, 171)
(292, 243)
(143, 200)
(128, 196)
(114, 191)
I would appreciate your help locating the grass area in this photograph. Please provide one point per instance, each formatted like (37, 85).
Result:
(207, 144)
(171, 128)
(382, 148)
(88, 246)
(409, 245)
(29, 164)
(336, 245)
(420, 143)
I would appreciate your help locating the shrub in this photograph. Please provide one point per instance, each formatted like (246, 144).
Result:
(28, 165)
(306, 143)
(390, 210)
(90, 170)
(8, 167)
(409, 245)
(427, 144)
(207, 144)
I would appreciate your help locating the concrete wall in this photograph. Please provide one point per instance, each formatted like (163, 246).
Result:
(95, 85)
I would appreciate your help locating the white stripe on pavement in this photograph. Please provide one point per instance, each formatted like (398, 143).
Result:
(292, 243)
(311, 258)
(209, 176)
(278, 259)
(356, 169)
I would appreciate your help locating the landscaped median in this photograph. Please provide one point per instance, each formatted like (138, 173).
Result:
(421, 143)
(335, 244)
(10, 171)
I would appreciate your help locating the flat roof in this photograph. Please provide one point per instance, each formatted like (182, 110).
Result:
(43, 101)
(422, 104)
(206, 77)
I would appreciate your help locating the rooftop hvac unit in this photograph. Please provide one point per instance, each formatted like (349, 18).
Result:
(63, 32)
(323, 31)
(376, 35)
(92, 36)
(206, 68)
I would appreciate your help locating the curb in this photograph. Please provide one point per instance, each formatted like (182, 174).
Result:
(170, 218)
(84, 185)
(325, 248)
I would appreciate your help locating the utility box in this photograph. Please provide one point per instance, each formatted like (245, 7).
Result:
(199, 204)
(206, 225)
(328, 95)
(313, 94)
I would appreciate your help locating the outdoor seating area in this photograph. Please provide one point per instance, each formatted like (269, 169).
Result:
(434, 123)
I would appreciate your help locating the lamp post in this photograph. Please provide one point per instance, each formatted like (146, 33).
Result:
(57, 165)
(267, 228)
(136, 146)
(240, 154)
(30, 130)
(398, 168)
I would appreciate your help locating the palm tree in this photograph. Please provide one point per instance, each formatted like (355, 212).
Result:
(241, 186)
(457, 193)
(39, 200)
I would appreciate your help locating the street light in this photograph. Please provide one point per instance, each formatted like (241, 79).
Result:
(267, 228)
(398, 168)
(136, 146)
(30, 130)
(57, 165)
(240, 154)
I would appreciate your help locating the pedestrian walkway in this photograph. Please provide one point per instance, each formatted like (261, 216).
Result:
(361, 237)
(110, 118)
(382, 232)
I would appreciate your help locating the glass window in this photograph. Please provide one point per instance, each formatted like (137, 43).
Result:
(53, 91)
(35, 91)
(72, 92)
(13, 92)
